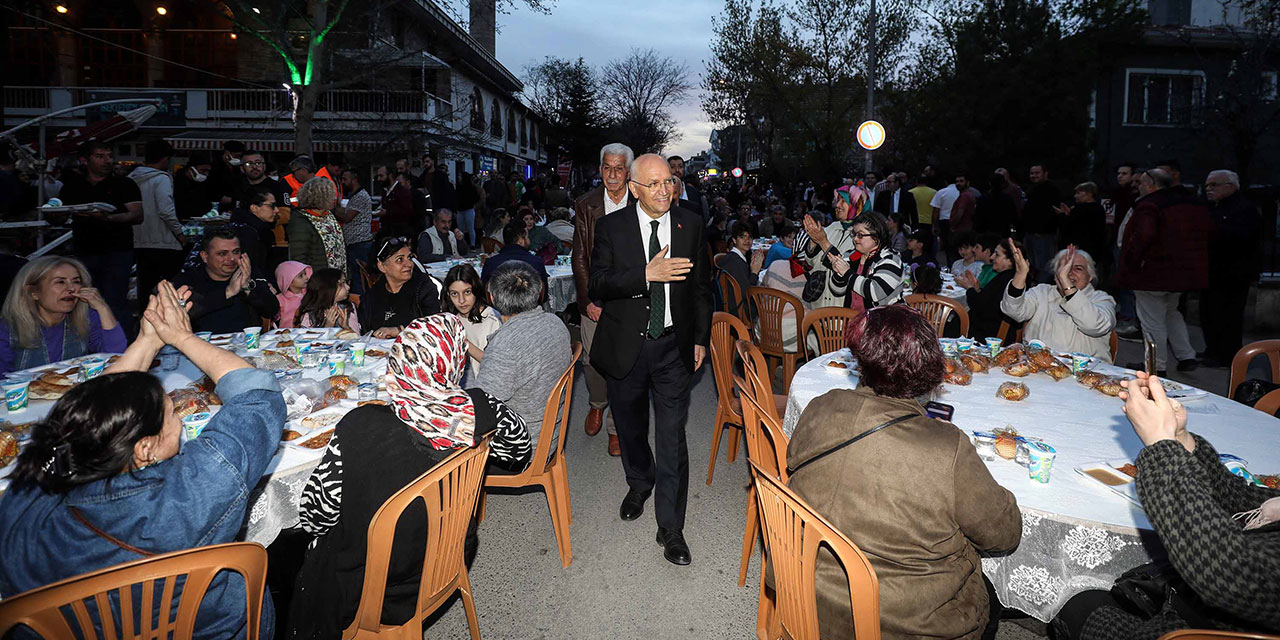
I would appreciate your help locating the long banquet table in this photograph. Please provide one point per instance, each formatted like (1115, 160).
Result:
(274, 503)
(1076, 534)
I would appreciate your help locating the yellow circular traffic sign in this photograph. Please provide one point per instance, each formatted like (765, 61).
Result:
(871, 135)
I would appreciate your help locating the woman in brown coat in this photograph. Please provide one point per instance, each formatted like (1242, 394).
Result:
(914, 496)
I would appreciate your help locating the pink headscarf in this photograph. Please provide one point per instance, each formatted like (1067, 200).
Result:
(289, 301)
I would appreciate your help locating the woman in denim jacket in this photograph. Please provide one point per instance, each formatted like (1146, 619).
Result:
(106, 475)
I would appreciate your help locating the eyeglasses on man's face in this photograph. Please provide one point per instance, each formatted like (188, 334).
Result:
(256, 163)
(669, 183)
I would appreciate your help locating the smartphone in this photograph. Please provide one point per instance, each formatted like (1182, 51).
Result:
(1149, 349)
(940, 411)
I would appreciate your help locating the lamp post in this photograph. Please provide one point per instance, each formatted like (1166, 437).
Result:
(871, 80)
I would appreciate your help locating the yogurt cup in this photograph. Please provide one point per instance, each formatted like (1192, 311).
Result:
(357, 353)
(1040, 461)
(195, 423)
(337, 364)
(993, 346)
(15, 395)
(93, 367)
(1080, 362)
(252, 338)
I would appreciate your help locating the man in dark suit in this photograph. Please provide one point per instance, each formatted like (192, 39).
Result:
(649, 273)
(896, 199)
(610, 196)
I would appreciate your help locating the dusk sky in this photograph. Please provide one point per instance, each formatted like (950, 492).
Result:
(600, 30)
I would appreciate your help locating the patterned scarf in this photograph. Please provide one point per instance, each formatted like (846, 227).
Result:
(335, 250)
(424, 370)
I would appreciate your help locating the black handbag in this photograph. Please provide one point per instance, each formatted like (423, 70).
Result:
(1148, 589)
(814, 286)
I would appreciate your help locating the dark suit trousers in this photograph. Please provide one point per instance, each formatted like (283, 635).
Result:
(1222, 308)
(659, 373)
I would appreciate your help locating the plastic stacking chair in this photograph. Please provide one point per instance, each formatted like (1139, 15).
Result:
(1269, 404)
(770, 305)
(731, 296)
(1240, 363)
(725, 330)
(1204, 634)
(937, 309)
(48, 609)
(548, 468)
(793, 532)
(767, 448)
(827, 323)
(490, 245)
(449, 491)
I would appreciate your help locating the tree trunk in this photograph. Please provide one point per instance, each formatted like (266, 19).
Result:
(304, 108)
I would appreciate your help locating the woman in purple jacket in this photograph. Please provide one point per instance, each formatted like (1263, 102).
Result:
(53, 313)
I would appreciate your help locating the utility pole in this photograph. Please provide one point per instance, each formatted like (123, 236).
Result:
(871, 81)
(743, 178)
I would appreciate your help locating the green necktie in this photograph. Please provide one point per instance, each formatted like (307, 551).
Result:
(657, 293)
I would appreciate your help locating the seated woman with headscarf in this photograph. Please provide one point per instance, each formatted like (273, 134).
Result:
(378, 450)
(820, 246)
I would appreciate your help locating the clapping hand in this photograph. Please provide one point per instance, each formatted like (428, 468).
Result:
(1154, 415)
(757, 260)
(839, 265)
(664, 269)
(167, 315)
(967, 280)
(816, 233)
(1063, 276)
(240, 279)
(1062, 209)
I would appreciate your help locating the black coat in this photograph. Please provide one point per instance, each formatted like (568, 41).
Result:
(1236, 245)
(906, 205)
(617, 281)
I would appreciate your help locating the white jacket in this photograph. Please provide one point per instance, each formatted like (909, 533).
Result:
(1082, 324)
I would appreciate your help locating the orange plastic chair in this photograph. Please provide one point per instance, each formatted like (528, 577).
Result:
(1269, 403)
(770, 305)
(937, 309)
(793, 532)
(731, 296)
(548, 470)
(365, 276)
(490, 245)
(766, 448)
(1205, 634)
(828, 324)
(1240, 363)
(449, 491)
(42, 609)
(725, 330)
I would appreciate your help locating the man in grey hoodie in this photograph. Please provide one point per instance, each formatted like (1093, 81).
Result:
(158, 240)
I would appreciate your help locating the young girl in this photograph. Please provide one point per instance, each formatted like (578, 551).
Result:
(291, 278)
(325, 303)
(464, 296)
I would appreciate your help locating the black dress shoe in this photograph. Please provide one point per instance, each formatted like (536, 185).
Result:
(633, 504)
(674, 548)
(1189, 364)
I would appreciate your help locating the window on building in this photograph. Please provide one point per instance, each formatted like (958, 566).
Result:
(511, 125)
(477, 109)
(1164, 97)
(524, 133)
(495, 120)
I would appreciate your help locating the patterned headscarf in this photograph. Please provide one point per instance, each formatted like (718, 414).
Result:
(424, 370)
(857, 198)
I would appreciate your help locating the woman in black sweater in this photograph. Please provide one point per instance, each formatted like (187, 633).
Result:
(403, 293)
(377, 450)
(984, 300)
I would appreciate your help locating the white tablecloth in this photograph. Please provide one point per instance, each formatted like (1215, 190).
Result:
(561, 290)
(274, 503)
(1076, 534)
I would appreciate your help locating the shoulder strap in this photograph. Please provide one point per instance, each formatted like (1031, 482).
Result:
(792, 470)
(75, 513)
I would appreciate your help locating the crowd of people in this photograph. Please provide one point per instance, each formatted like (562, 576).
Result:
(106, 476)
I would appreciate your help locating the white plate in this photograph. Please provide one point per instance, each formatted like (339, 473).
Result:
(1127, 487)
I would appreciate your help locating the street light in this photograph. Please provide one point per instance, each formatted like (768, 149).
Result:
(60, 8)
(162, 10)
(871, 135)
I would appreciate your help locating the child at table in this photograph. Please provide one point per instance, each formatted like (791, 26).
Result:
(326, 303)
(291, 280)
(464, 295)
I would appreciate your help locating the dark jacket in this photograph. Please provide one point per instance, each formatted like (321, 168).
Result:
(1166, 244)
(740, 271)
(256, 236)
(996, 213)
(397, 209)
(1086, 228)
(906, 205)
(509, 253)
(984, 308)
(1192, 501)
(305, 244)
(618, 282)
(417, 298)
(588, 209)
(1235, 250)
(212, 310)
(1038, 215)
(924, 545)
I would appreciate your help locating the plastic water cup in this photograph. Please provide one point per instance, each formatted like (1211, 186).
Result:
(1079, 362)
(993, 346)
(252, 338)
(15, 395)
(205, 335)
(367, 391)
(93, 368)
(337, 364)
(357, 353)
(1040, 461)
(985, 443)
(195, 423)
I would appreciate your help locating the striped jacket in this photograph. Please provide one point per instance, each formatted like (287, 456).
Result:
(881, 286)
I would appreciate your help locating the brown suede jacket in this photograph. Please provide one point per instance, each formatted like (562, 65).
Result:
(916, 499)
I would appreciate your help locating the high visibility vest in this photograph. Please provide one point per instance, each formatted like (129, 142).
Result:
(295, 184)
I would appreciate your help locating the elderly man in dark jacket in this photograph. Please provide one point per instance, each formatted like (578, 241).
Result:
(1234, 252)
(1165, 252)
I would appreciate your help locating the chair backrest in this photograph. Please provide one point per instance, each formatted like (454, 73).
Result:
(366, 276)
(937, 309)
(726, 329)
(793, 532)
(1240, 363)
(1114, 344)
(1269, 403)
(731, 295)
(754, 368)
(449, 491)
(86, 596)
(828, 324)
(766, 443)
(770, 304)
(1205, 634)
(555, 417)
(490, 245)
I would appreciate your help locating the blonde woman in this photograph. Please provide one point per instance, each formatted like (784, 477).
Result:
(53, 313)
(315, 237)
